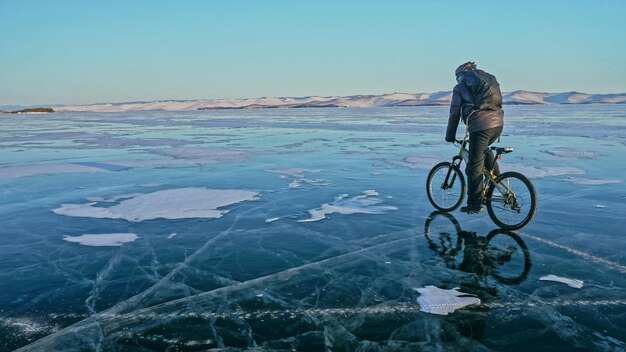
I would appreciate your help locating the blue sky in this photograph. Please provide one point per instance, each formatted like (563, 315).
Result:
(111, 51)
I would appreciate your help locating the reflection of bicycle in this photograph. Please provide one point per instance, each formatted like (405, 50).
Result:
(502, 254)
(510, 198)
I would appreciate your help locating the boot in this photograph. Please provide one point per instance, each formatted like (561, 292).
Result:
(472, 209)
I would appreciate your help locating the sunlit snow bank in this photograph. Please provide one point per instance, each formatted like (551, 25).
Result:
(354, 101)
(574, 283)
(177, 203)
(436, 300)
(364, 204)
(102, 240)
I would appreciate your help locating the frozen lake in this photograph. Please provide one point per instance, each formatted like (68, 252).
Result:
(304, 229)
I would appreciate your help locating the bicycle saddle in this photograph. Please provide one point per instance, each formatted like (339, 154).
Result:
(503, 150)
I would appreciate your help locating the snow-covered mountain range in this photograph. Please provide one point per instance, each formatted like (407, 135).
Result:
(519, 97)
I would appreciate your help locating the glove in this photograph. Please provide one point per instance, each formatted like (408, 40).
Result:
(450, 139)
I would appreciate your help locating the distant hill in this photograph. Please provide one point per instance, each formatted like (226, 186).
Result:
(29, 111)
(519, 97)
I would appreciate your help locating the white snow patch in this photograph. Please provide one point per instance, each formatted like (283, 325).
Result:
(571, 153)
(393, 99)
(202, 154)
(102, 240)
(592, 182)
(363, 204)
(541, 172)
(435, 300)
(32, 170)
(298, 174)
(424, 162)
(574, 283)
(294, 172)
(179, 203)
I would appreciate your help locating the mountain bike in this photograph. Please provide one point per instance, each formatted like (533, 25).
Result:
(510, 198)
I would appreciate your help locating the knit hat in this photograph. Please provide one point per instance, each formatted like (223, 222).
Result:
(468, 66)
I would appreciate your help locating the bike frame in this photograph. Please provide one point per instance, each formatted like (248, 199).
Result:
(490, 178)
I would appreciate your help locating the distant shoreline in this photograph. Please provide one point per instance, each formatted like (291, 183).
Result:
(519, 97)
(29, 111)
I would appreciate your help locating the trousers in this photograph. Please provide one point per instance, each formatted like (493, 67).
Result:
(480, 156)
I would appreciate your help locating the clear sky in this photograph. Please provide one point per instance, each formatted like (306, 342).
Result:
(84, 51)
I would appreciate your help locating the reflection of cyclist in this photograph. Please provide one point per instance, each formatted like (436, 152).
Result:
(499, 254)
(477, 99)
(475, 259)
(482, 255)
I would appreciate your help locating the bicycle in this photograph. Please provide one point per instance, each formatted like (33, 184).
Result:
(510, 198)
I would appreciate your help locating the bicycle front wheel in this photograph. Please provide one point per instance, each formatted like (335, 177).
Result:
(445, 186)
(513, 202)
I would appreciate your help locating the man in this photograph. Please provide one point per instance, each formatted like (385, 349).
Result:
(478, 101)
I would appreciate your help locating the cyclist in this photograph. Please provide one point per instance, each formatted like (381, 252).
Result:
(478, 101)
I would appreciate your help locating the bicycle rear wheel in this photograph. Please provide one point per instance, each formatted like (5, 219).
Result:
(513, 203)
(445, 186)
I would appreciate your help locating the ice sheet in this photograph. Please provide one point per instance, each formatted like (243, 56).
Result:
(102, 240)
(439, 301)
(535, 172)
(593, 182)
(571, 153)
(10, 172)
(363, 204)
(180, 203)
(573, 283)
(258, 277)
(424, 162)
(298, 176)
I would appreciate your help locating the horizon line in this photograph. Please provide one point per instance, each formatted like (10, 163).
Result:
(277, 96)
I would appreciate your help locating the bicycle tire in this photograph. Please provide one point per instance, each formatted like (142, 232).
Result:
(453, 196)
(525, 197)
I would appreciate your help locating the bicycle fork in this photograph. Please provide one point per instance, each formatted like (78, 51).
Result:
(447, 182)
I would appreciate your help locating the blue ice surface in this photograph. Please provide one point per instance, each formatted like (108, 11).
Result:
(344, 282)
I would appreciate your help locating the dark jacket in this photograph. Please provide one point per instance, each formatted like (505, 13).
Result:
(478, 100)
